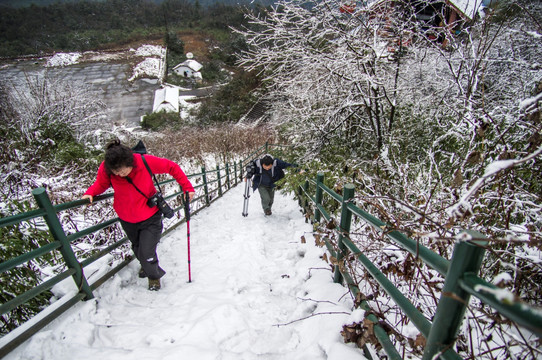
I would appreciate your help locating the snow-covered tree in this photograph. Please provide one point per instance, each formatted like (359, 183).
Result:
(376, 84)
(436, 123)
(48, 125)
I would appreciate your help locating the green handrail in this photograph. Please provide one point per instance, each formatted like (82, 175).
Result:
(346, 220)
(24, 258)
(19, 300)
(460, 275)
(55, 227)
(220, 182)
(513, 309)
(217, 181)
(15, 219)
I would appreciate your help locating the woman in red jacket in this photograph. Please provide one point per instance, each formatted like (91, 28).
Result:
(133, 186)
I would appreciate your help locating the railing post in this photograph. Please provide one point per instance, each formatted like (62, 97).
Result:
(305, 201)
(55, 227)
(227, 176)
(267, 147)
(467, 258)
(346, 220)
(301, 197)
(235, 173)
(205, 187)
(319, 195)
(219, 182)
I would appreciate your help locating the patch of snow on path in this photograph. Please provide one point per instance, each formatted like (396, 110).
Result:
(254, 289)
(150, 67)
(150, 50)
(63, 59)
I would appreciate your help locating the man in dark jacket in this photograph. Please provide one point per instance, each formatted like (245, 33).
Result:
(266, 171)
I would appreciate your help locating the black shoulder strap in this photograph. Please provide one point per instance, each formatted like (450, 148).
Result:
(150, 172)
(131, 182)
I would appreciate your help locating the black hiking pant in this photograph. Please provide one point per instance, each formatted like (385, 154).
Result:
(144, 237)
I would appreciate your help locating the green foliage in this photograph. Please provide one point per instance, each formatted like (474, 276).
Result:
(57, 130)
(68, 153)
(223, 16)
(174, 44)
(182, 81)
(175, 56)
(53, 143)
(17, 240)
(95, 25)
(232, 101)
(159, 120)
(26, 3)
(505, 11)
(232, 46)
(212, 73)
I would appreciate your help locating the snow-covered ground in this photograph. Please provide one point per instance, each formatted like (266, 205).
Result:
(151, 66)
(257, 292)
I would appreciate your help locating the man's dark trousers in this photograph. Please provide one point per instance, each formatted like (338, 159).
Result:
(267, 195)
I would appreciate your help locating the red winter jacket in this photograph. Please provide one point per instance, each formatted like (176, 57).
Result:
(129, 204)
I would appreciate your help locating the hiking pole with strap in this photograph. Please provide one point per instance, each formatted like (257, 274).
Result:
(251, 169)
(187, 217)
(247, 196)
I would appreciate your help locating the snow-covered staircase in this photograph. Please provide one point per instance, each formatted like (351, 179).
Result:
(257, 292)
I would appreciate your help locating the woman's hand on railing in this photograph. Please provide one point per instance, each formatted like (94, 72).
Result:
(89, 197)
(191, 195)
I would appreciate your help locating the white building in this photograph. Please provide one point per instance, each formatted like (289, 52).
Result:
(166, 98)
(189, 68)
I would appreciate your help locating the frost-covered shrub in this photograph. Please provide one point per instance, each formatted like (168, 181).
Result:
(437, 136)
(18, 240)
(159, 120)
(42, 124)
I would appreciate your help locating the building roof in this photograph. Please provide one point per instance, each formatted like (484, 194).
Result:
(192, 64)
(468, 8)
(166, 98)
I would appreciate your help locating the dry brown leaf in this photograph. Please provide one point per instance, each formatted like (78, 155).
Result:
(420, 341)
(359, 299)
(369, 325)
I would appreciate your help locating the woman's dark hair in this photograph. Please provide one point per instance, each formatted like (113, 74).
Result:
(117, 156)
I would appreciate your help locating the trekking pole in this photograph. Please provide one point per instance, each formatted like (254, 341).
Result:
(246, 196)
(187, 217)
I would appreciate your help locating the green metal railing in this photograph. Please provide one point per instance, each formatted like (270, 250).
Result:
(461, 280)
(209, 185)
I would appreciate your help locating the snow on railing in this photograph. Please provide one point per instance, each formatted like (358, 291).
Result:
(460, 274)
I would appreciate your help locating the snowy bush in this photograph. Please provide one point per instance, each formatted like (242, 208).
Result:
(18, 240)
(438, 133)
(158, 120)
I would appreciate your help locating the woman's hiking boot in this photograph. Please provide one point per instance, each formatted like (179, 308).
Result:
(154, 284)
